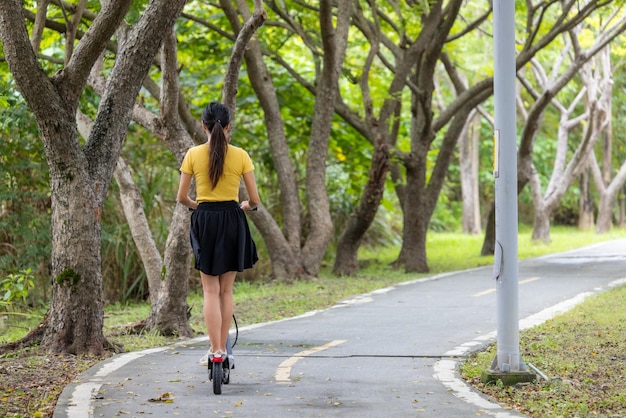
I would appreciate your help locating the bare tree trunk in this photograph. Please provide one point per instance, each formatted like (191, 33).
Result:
(346, 258)
(607, 143)
(585, 202)
(75, 317)
(170, 313)
(489, 243)
(564, 174)
(622, 210)
(541, 225)
(605, 213)
(608, 195)
(168, 286)
(607, 186)
(468, 160)
(139, 228)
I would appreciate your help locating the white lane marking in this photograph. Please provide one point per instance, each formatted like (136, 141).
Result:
(283, 372)
(446, 370)
(486, 292)
(79, 405)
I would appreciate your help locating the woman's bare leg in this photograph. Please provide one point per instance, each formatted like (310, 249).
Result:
(227, 281)
(211, 309)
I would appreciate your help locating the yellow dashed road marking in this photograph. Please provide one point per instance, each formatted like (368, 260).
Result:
(283, 372)
(486, 292)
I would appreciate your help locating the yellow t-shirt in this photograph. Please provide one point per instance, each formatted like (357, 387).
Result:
(236, 163)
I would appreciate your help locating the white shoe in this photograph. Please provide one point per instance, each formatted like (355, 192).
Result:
(204, 360)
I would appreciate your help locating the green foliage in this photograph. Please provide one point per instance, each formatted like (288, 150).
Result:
(447, 215)
(472, 52)
(386, 230)
(129, 279)
(15, 288)
(24, 193)
(123, 275)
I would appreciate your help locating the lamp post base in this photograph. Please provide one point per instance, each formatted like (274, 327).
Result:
(507, 378)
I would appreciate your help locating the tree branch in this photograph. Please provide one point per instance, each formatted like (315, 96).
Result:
(40, 24)
(73, 77)
(231, 78)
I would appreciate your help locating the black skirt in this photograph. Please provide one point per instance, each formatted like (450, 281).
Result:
(220, 238)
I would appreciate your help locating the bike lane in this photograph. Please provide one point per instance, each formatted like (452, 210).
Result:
(389, 353)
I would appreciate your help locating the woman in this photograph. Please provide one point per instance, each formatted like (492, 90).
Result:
(220, 236)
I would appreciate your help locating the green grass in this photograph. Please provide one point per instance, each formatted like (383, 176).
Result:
(582, 354)
(448, 251)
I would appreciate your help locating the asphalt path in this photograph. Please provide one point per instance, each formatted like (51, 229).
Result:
(389, 353)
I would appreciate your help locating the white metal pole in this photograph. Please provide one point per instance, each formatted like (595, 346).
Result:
(505, 171)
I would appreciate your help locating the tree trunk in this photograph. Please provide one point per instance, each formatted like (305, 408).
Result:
(140, 230)
(622, 210)
(170, 313)
(565, 172)
(605, 213)
(468, 160)
(75, 317)
(419, 194)
(489, 243)
(541, 225)
(413, 252)
(606, 82)
(168, 279)
(384, 134)
(608, 196)
(80, 176)
(346, 262)
(585, 202)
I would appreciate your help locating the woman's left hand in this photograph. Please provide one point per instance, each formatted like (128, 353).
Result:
(245, 206)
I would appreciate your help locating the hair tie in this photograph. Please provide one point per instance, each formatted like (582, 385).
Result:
(219, 121)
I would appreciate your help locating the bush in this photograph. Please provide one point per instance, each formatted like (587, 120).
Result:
(15, 288)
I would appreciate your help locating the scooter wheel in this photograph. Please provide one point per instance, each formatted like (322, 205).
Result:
(217, 377)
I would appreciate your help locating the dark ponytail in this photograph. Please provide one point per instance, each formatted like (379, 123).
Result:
(216, 117)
